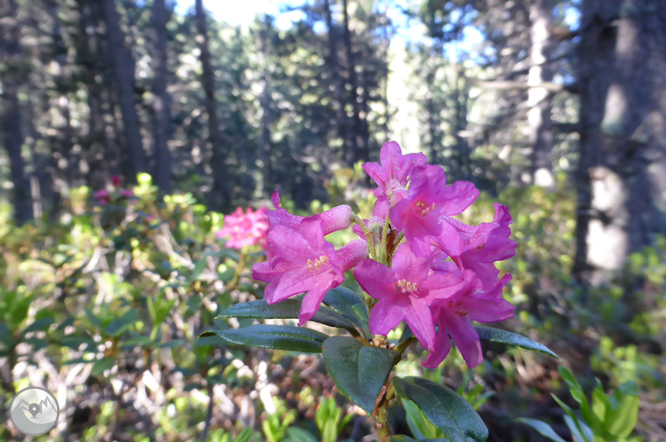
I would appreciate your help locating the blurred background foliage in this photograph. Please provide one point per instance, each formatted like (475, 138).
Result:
(555, 108)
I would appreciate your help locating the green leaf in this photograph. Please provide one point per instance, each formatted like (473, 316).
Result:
(300, 435)
(4, 331)
(136, 341)
(505, 337)
(600, 402)
(244, 435)
(579, 431)
(330, 431)
(198, 269)
(39, 325)
(171, 343)
(349, 305)
(403, 438)
(578, 394)
(406, 334)
(276, 337)
(287, 309)
(359, 371)
(36, 343)
(622, 421)
(570, 414)
(542, 428)
(74, 342)
(125, 322)
(102, 364)
(444, 408)
(94, 320)
(416, 421)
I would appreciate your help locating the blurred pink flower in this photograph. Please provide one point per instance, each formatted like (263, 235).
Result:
(304, 262)
(102, 196)
(244, 229)
(127, 193)
(115, 180)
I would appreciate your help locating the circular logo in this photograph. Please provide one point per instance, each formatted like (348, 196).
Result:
(34, 411)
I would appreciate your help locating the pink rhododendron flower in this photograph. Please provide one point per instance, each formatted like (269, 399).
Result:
(244, 229)
(428, 198)
(304, 262)
(404, 292)
(338, 218)
(482, 245)
(442, 274)
(392, 175)
(115, 180)
(102, 196)
(454, 311)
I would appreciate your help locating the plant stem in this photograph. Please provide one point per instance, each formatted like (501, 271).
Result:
(368, 236)
(209, 412)
(239, 269)
(384, 254)
(382, 421)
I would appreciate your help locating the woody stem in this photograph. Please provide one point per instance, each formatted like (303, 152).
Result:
(382, 420)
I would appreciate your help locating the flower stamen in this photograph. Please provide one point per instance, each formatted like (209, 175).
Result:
(406, 286)
(318, 263)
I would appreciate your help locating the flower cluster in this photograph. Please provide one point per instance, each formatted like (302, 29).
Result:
(104, 197)
(419, 263)
(245, 229)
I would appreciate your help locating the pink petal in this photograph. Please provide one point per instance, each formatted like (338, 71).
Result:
(351, 254)
(459, 197)
(464, 336)
(375, 278)
(290, 244)
(419, 319)
(300, 280)
(385, 316)
(312, 302)
(406, 265)
(486, 272)
(449, 240)
(488, 310)
(440, 351)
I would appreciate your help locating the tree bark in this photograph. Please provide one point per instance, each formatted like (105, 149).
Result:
(539, 99)
(266, 114)
(336, 78)
(219, 193)
(123, 70)
(163, 167)
(359, 146)
(621, 184)
(11, 118)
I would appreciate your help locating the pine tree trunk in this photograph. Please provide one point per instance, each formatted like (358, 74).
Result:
(11, 115)
(123, 70)
(621, 184)
(161, 106)
(539, 99)
(219, 194)
(358, 149)
(336, 78)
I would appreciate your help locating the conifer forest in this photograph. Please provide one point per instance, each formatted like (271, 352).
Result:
(333, 220)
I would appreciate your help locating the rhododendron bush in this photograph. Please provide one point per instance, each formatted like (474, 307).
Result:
(414, 261)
